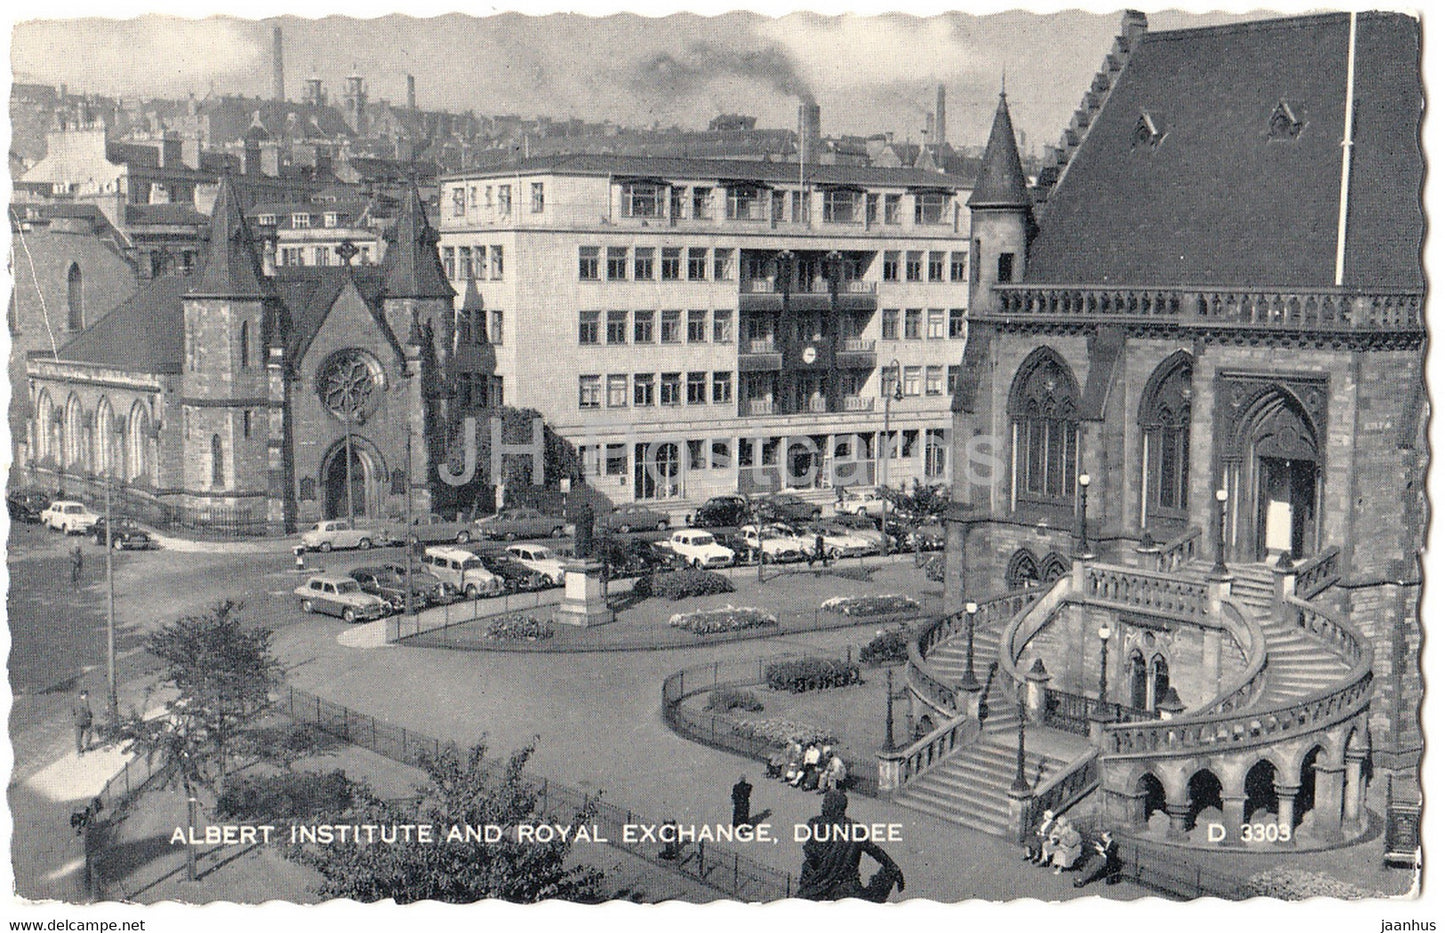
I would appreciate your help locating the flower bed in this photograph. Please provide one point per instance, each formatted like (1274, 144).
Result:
(519, 628)
(726, 619)
(885, 648)
(777, 731)
(888, 604)
(682, 584)
(803, 674)
(1296, 884)
(731, 698)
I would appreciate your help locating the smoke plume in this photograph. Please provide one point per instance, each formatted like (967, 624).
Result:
(705, 62)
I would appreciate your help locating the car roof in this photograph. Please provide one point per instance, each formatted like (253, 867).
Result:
(459, 553)
(330, 578)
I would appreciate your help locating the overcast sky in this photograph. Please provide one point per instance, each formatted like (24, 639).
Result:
(868, 73)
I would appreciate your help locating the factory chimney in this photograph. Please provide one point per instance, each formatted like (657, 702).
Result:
(940, 119)
(278, 67)
(411, 92)
(810, 123)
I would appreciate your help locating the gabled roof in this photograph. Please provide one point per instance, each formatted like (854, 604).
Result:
(232, 269)
(1001, 181)
(1209, 196)
(144, 333)
(412, 267)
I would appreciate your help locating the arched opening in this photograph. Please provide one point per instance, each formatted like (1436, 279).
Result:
(1138, 681)
(44, 424)
(75, 299)
(74, 433)
(218, 463)
(1304, 800)
(1279, 476)
(138, 431)
(1164, 418)
(1022, 571)
(1053, 567)
(1261, 802)
(104, 438)
(353, 492)
(1206, 799)
(1043, 410)
(1154, 797)
(1159, 679)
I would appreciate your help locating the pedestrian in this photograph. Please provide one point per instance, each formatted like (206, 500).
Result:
(1105, 864)
(77, 563)
(1036, 850)
(84, 720)
(1068, 847)
(742, 801)
(818, 549)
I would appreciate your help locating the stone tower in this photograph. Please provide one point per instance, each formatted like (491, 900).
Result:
(1001, 213)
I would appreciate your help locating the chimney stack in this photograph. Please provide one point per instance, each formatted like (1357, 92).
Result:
(810, 123)
(1133, 27)
(411, 92)
(278, 67)
(940, 119)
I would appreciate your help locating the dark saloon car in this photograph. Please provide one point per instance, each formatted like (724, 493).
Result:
(515, 576)
(721, 512)
(25, 505)
(124, 536)
(791, 509)
(389, 582)
(632, 558)
(635, 517)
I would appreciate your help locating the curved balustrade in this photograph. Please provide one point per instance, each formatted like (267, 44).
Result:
(1177, 552)
(1249, 684)
(1315, 576)
(993, 612)
(1062, 789)
(1025, 625)
(1339, 635)
(925, 752)
(1157, 593)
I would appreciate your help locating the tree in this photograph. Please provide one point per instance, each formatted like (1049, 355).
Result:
(470, 792)
(222, 674)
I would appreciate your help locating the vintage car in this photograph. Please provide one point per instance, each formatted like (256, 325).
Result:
(721, 512)
(389, 582)
(340, 596)
(699, 549)
(539, 558)
(511, 524)
(838, 541)
(629, 518)
(859, 500)
(436, 529)
(515, 577)
(785, 507)
(68, 516)
(26, 505)
(633, 557)
(334, 534)
(463, 571)
(775, 543)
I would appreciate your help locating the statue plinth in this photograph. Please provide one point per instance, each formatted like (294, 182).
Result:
(584, 598)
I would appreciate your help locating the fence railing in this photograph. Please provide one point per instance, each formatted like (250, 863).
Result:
(1177, 552)
(714, 865)
(1314, 576)
(441, 618)
(1073, 713)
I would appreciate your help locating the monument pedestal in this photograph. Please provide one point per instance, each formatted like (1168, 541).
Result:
(584, 601)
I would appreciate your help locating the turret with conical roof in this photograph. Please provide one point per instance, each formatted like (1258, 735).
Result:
(232, 269)
(1000, 213)
(412, 268)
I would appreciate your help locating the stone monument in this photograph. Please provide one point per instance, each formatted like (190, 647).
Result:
(584, 595)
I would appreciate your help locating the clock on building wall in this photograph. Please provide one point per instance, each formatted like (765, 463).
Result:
(349, 383)
(810, 355)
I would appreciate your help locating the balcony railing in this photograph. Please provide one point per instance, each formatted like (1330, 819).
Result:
(760, 406)
(858, 403)
(759, 345)
(817, 287)
(1303, 309)
(859, 345)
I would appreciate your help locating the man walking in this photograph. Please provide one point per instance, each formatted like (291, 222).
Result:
(77, 563)
(742, 801)
(84, 720)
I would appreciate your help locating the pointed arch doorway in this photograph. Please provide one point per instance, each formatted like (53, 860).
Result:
(353, 492)
(1275, 479)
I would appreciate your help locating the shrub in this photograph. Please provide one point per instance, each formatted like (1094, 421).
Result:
(731, 698)
(776, 731)
(688, 582)
(519, 628)
(803, 674)
(1297, 884)
(871, 605)
(726, 619)
(642, 587)
(885, 648)
(933, 568)
(286, 795)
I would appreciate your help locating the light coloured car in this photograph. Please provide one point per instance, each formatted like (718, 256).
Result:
(334, 534)
(540, 558)
(775, 545)
(699, 549)
(521, 522)
(859, 500)
(435, 529)
(462, 570)
(839, 541)
(634, 517)
(68, 516)
(340, 596)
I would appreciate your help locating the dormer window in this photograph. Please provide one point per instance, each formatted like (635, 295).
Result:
(331, 218)
(300, 221)
(1287, 121)
(266, 220)
(1148, 132)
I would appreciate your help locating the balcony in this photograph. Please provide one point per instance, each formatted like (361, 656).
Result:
(759, 345)
(818, 404)
(858, 403)
(857, 353)
(817, 287)
(768, 295)
(759, 354)
(759, 406)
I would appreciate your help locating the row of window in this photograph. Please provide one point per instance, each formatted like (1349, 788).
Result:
(645, 200)
(301, 220)
(650, 389)
(718, 453)
(496, 198)
(951, 326)
(649, 326)
(916, 265)
(648, 263)
(478, 328)
(473, 262)
(319, 256)
(918, 380)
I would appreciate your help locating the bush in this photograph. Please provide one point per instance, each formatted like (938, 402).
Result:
(1297, 884)
(731, 698)
(519, 628)
(726, 619)
(803, 674)
(871, 605)
(685, 583)
(775, 731)
(885, 648)
(933, 568)
(289, 794)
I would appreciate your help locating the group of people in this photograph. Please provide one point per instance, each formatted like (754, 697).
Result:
(1059, 843)
(815, 767)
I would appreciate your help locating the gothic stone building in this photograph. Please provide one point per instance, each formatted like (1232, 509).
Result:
(1190, 429)
(235, 399)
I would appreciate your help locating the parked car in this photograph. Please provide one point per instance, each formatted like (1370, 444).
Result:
(67, 516)
(335, 534)
(776, 545)
(744, 553)
(634, 557)
(785, 507)
(26, 505)
(511, 524)
(463, 570)
(340, 596)
(699, 549)
(839, 541)
(859, 500)
(126, 538)
(539, 558)
(515, 577)
(389, 582)
(435, 529)
(721, 512)
(861, 526)
(97, 531)
(633, 517)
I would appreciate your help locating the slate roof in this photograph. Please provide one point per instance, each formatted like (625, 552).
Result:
(412, 267)
(144, 333)
(309, 292)
(232, 269)
(1209, 198)
(1001, 181)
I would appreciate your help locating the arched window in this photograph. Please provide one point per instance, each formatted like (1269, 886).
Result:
(44, 421)
(137, 444)
(1023, 570)
(245, 344)
(1044, 411)
(218, 462)
(1164, 424)
(74, 433)
(75, 298)
(104, 438)
(1053, 567)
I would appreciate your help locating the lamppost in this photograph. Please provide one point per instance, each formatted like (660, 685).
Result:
(888, 743)
(1219, 571)
(112, 699)
(970, 680)
(1099, 712)
(1021, 782)
(1084, 552)
(887, 452)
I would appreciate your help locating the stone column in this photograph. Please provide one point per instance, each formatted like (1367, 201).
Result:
(1036, 691)
(1329, 799)
(1286, 794)
(1354, 788)
(1233, 819)
(1127, 808)
(1284, 580)
(1178, 816)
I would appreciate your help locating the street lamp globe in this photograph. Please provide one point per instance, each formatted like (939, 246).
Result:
(1221, 496)
(1084, 480)
(970, 607)
(1104, 632)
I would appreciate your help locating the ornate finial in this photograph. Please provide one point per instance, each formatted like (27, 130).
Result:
(347, 251)
(1003, 83)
